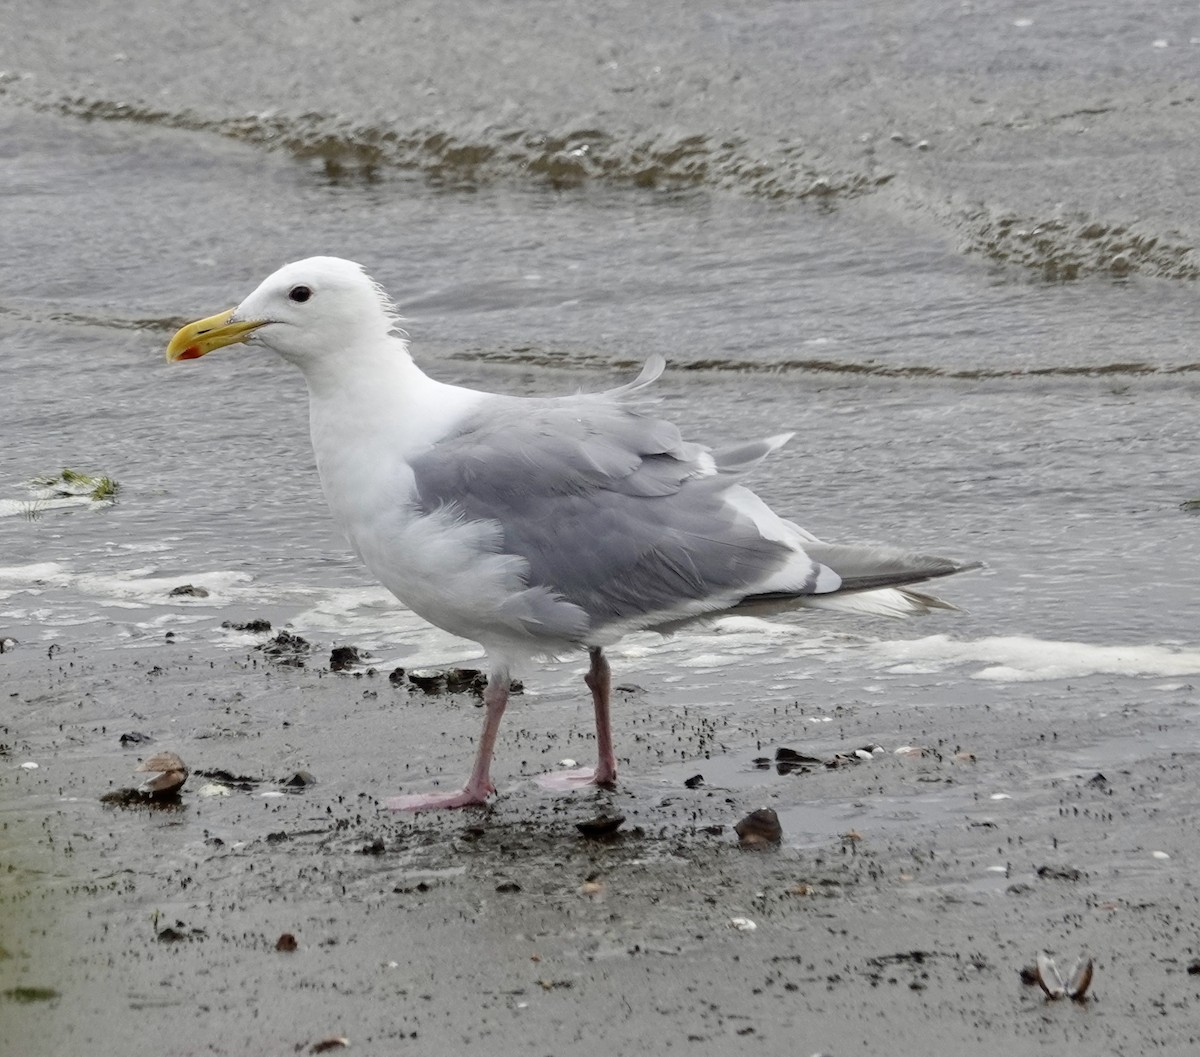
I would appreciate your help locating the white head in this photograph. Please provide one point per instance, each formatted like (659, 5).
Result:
(308, 312)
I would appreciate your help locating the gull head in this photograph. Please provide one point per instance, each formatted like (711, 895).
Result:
(307, 311)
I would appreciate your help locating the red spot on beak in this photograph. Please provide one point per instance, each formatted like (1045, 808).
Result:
(191, 353)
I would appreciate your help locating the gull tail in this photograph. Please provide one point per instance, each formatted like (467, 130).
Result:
(874, 580)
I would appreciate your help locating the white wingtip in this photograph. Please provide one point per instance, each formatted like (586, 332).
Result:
(886, 602)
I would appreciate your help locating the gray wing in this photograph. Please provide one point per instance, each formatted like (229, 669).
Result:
(608, 505)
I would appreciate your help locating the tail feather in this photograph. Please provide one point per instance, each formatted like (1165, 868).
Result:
(874, 580)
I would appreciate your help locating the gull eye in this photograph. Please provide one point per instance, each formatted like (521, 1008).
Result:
(299, 293)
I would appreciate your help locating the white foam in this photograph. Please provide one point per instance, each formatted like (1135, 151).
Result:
(38, 505)
(1022, 658)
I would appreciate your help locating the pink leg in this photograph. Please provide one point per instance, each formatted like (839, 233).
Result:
(599, 681)
(479, 785)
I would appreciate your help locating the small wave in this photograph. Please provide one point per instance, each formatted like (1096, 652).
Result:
(346, 151)
(530, 357)
(1021, 658)
(42, 314)
(1065, 249)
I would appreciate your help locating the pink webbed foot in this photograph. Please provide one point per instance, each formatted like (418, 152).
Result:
(437, 801)
(599, 681)
(579, 778)
(479, 786)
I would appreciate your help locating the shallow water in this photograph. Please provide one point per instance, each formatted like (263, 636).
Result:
(939, 401)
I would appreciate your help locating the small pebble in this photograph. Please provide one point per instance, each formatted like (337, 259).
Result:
(759, 828)
(742, 924)
(29, 765)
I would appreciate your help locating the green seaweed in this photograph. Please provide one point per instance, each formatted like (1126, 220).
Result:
(101, 489)
(31, 994)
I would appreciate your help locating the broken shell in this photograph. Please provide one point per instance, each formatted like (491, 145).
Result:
(167, 774)
(1047, 976)
(1051, 982)
(1081, 979)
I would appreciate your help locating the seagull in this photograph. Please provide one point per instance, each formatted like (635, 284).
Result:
(536, 526)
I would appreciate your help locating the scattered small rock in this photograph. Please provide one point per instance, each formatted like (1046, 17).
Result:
(256, 626)
(188, 591)
(1193, 968)
(508, 887)
(742, 924)
(1060, 873)
(325, 1045)
(228, 778)
(600, 826)
(376, 847)
(7, 645)
(286, 942)
(135, 738)
(759, 829)
(433, 683)
(286, 648)
(342, 658)
(465, 680)
(299, 780)
(789, 760)
(695, 782)
(179, 932)
(451, 681)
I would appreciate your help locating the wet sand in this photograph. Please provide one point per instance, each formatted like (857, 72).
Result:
(895, 917)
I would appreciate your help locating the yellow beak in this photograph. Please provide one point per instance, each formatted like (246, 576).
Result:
(199, 338)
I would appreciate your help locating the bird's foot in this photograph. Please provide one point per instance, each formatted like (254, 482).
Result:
(565, 781)
(436, 801)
